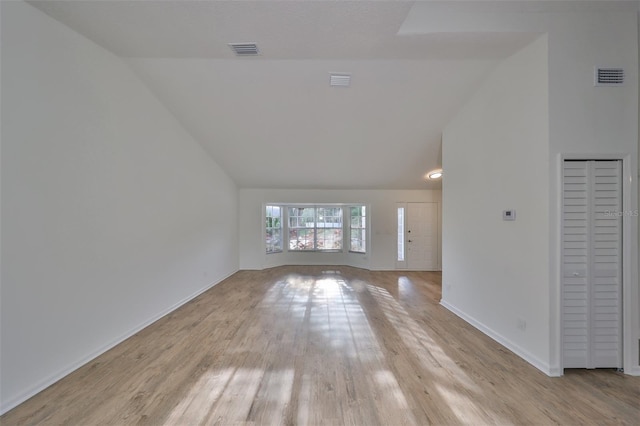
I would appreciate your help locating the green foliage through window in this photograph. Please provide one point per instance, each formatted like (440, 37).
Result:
(273, 229)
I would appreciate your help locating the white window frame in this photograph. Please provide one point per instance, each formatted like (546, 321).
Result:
(300, 225)
(317, 211)
(362, 228)
(345, 228)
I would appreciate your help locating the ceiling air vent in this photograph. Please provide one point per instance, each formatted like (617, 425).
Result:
(244, 49)
(609, 76)
(340, 80)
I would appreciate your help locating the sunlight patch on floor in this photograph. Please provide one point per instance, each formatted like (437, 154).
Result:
(453, 384)
(304, 401)
(229, 396)
(405, 288)
(235, 402)
(337, 335)
(271, 400)
(417, 338)
(390, 389)
(195, 407)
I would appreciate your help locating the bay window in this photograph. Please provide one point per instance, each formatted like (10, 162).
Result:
(315, 228)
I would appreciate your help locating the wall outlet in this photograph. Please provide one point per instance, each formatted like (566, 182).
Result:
(521, 324)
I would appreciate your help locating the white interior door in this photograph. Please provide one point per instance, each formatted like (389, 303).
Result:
(592, 273)
(422, 236)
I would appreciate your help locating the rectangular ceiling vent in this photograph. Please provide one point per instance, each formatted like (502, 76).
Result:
(340, 80)
(609, 76)
(244, 49)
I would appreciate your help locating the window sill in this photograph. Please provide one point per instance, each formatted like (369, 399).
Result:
(316, 251)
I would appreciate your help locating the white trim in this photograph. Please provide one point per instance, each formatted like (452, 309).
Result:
(555, 372)
(633, 371)
(630, 290)
(555, 269)
(346, 227)
(522, 353)
(382, 268)
(53, 378)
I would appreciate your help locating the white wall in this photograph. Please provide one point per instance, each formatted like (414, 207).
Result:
(383, 218)
(594, 122)
(584, 120)
(495, 156)
(112, 215)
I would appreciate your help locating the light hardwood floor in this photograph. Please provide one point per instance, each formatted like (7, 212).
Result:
(323, 345)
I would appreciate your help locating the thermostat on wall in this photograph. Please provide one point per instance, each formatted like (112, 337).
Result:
(509, 215)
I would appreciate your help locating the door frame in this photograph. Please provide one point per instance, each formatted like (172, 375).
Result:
(630, 292)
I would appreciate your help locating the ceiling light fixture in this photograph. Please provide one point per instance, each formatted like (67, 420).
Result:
(434, 174)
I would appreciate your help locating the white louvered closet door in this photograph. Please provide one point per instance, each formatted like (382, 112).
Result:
(592, 273)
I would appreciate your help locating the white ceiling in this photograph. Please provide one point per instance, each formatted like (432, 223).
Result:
(273, 121)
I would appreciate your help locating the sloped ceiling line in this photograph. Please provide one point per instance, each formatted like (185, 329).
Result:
(272, 120)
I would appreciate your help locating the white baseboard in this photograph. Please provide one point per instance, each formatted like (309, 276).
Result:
(394, 269)
(555, 372)
(634, 371)
(522, 353)
(45, 383)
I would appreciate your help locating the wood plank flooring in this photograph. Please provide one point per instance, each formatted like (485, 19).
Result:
(323, 346)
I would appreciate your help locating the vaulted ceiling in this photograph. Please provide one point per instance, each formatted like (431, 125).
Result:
(273, 120)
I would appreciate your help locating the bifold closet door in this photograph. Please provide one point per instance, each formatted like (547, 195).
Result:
(592, 264)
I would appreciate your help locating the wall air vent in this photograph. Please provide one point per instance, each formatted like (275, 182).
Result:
(609, 76)
(340, 80)
(244, 49)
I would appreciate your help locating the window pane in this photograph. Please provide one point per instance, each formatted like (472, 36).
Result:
(301, 239)
(358, 242)
(273, 229)
(357, 223)
(329, 239)
(274, 242)
(401, 234)
(358, 211)
(301, 228)
(315, 228)
(329, 228)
